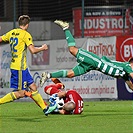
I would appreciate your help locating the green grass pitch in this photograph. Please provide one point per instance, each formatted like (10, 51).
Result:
(98, 117)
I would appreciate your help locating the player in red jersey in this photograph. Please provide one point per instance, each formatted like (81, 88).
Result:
(73, 101)
(54, 88)
(74, 97)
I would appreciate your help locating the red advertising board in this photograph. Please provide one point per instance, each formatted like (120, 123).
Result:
(124, 48)
(104, 21)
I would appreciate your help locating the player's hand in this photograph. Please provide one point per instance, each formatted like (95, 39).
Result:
(52, 98)
(44, 46)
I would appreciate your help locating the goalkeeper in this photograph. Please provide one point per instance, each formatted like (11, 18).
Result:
(88, 61)
(73, 102)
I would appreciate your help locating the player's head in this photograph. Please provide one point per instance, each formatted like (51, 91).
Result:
(23, 20)
(130, 60)
(69, 106)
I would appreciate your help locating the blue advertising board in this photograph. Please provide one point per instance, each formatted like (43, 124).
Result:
(124, 93)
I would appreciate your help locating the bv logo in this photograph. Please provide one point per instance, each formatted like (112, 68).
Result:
(126, 49)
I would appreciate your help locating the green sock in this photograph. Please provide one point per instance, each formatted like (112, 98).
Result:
(69, 38)
(59, 74)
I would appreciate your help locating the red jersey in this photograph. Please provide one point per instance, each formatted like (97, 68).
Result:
(73, 96)
(55, 88)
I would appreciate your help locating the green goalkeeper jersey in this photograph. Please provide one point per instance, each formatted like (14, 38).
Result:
(90, 61)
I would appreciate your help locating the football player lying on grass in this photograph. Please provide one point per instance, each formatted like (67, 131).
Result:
(73, 102)
(68, 102)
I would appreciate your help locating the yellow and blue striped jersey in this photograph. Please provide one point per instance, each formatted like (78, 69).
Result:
(19, 40)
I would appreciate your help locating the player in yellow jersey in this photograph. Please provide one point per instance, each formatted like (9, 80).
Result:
(19, 40)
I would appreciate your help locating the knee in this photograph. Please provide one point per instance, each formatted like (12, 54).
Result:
(33, 87)
(19, 94)
(70, 74)
(73, 50)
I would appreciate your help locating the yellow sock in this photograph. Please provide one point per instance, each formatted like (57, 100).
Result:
(38, 99)
(8, 98)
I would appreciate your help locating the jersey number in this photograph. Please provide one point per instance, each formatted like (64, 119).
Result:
(13, 44)
(80, 105)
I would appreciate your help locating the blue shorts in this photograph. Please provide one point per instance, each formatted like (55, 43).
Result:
(20, 79)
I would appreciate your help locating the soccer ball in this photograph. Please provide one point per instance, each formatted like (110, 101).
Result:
(59, 102)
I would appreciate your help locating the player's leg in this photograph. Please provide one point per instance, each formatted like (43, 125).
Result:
(57, 74)
(10, 97)
(36, 95)
(51, 89)
(73, 50)
(29, 82)
(29, 94)
(14, 85)
(69, 37)
(71, 42)
(76, 71)
(19, 83)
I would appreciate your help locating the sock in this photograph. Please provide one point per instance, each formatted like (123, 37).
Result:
(37, 103)
(69, 38)
(29, 94)
(38, 99)
(8, 98)
(59, 74)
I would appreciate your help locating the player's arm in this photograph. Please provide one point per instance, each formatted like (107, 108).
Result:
(61, 94)
(35, 50)
(129, 81)
(130, 84)
(62, 111)
(0, 39)
(131, 75)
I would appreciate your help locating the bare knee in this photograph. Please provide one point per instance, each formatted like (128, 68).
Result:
(33, 87)
(70, 74)
(19, 94)
(73, 50)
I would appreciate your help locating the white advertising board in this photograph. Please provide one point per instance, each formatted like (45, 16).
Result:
(90, 85)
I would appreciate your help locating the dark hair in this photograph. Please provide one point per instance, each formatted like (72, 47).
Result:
(23, 20)
(130, 60)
